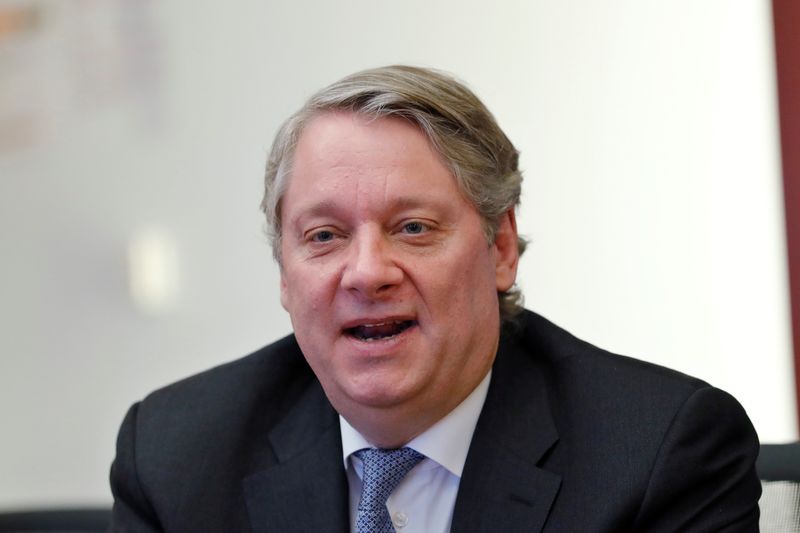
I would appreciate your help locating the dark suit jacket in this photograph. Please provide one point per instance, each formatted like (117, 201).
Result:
(571, 438)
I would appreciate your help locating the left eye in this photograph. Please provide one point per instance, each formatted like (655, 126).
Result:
(414, 227)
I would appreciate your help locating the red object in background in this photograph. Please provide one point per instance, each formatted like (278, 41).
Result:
(786, 18)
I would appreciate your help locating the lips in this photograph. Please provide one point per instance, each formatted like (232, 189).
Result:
(375, 331)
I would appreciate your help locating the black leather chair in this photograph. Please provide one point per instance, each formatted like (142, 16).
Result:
(778, 467)
(86, 520)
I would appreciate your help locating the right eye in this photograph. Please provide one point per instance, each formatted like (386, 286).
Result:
(322, 236)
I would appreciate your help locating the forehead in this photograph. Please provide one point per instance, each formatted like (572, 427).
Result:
(350, 134)
(341, 152)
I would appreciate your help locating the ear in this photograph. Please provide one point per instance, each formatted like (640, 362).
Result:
(506, 251)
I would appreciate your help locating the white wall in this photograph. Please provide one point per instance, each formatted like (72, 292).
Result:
(652, 193)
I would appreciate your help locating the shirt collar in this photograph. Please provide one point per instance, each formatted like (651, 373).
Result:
(446, 442)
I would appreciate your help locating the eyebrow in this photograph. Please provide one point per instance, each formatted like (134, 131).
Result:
(328, 207)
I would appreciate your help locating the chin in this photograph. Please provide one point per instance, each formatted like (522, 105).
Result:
(377, 394)
(380, 399)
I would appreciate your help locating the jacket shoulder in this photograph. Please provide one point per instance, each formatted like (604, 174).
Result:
(225, 412)
(566, 357)
(271, 371)
(668, 451)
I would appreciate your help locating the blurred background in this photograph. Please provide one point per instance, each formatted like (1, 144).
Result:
(133, 136)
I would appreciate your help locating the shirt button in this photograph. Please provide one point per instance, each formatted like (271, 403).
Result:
(400, 519)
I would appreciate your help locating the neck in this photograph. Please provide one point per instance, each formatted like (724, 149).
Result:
(393, 428)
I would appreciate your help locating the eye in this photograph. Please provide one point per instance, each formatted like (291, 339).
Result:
(322, 236)
(415, 228)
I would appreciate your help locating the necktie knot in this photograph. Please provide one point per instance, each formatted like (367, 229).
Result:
(384, 469)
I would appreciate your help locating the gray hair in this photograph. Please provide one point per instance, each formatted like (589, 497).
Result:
(457, 124)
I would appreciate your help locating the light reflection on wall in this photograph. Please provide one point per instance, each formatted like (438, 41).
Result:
(153, 271)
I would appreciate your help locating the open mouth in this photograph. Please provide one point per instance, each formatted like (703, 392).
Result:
(379, 331)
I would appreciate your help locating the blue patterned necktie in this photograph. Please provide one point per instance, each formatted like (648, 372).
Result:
(383, 471)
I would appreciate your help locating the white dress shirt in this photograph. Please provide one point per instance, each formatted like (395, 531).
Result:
(424, 500)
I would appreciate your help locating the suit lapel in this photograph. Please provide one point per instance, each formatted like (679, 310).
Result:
(503, 488)
(307, 489)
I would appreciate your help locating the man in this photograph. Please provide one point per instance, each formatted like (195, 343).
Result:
(416, 393)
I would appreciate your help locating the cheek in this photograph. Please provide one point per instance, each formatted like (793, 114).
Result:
(306, 292)
(477, 271)
(284, 294)
(478, 290)
(295, 293)
(464, 292)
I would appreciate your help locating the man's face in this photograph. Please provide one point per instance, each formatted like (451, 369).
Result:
(386, 272)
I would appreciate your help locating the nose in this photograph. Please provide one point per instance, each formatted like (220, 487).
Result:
(371, 269)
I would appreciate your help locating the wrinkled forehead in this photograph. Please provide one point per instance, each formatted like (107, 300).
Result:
(344, 136)
(337, 137)
(355, 159)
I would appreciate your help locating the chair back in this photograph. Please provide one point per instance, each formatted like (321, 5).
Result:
(778, 466)
(93, 520)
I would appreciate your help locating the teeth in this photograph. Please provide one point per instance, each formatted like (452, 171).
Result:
(395, 322)
(376, 339)
(379, 330)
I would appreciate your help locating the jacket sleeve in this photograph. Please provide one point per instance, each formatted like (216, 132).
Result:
(704, 476)
(132, 512)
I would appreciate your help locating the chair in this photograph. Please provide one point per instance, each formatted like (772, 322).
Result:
(87, 520)
(778, 466)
